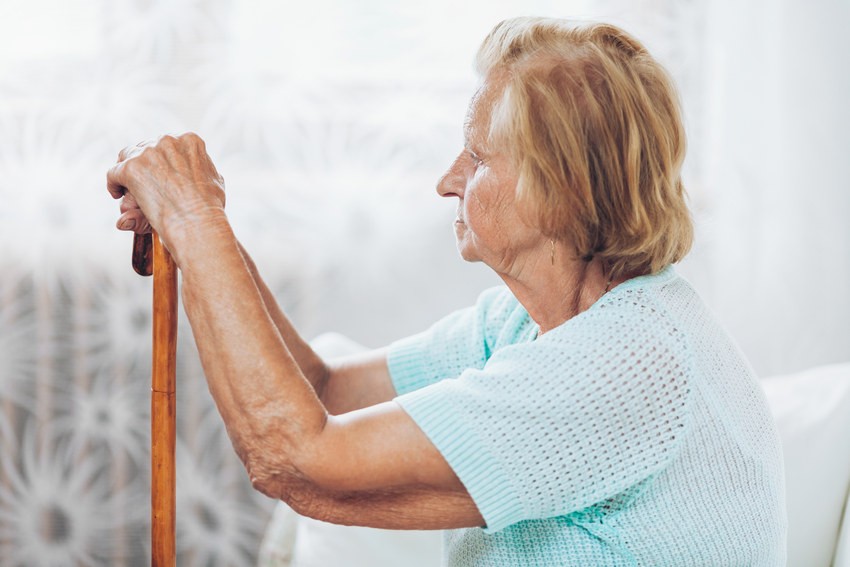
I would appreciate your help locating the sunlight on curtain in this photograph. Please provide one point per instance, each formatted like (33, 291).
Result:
(331, 121)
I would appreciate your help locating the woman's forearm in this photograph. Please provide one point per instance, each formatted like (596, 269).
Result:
(269, 408)
(311, 364)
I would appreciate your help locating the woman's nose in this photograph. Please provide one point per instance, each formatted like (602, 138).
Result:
(453, 181)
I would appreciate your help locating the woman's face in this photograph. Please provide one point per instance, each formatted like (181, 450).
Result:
(488, 224)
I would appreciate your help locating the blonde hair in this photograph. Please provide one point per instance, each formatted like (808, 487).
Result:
(592, 123)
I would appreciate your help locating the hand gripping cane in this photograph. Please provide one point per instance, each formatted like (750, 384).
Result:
(151, 257)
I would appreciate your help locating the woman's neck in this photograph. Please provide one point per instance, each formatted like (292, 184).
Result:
(555, 286)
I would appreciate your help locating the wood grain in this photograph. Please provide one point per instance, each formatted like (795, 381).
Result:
(163, 416)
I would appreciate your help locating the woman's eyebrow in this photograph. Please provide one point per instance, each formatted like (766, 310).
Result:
(467, 131)
(471, 141)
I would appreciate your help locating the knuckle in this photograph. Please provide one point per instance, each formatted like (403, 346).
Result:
(128, 152)
(166, 141)
(194, 139)
(132, 165)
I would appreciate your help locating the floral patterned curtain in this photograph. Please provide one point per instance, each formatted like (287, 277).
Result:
(330, 121)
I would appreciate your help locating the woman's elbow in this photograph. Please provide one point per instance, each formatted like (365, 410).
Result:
(281, 478)
(300, 494)
(267, 477)
(276, 463)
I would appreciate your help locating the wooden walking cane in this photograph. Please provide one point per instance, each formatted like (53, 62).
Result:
(150, 256)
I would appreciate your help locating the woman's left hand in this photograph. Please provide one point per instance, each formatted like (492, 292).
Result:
(169, 184)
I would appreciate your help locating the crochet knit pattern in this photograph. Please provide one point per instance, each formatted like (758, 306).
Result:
(633, 434)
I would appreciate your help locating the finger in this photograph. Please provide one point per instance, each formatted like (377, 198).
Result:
(128, 203)
(130, 151)
(124, 153)
(115, 180)
(135, 221)
(143, 227)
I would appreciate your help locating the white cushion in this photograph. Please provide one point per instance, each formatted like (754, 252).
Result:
(279, 539)
(812, 411)
(842, 551)
(318, 544)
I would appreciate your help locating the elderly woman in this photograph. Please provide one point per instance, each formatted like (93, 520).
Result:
(589, 412)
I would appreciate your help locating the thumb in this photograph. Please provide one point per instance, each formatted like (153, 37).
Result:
(133, 220)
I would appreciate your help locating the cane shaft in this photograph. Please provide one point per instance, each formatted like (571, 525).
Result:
(163, 414)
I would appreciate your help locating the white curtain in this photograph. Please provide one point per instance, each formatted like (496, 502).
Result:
(331, 121)
(778, 165)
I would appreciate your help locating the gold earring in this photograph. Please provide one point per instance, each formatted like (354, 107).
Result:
(552, 251)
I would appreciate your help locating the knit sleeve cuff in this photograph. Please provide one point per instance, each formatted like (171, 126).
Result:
(479, 470)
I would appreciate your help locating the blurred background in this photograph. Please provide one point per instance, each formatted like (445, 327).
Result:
(331, 121)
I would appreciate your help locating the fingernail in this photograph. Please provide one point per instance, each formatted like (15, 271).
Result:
(128, 224)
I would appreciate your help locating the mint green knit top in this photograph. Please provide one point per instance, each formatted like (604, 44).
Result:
(633, 434)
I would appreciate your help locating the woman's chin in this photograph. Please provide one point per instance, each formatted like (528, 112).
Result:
(465, 245)
(467, 251)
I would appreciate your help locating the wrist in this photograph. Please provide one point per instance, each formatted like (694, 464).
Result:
(196, 236)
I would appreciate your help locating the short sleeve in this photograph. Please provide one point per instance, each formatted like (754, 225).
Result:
(567, 421)
(464, 339)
